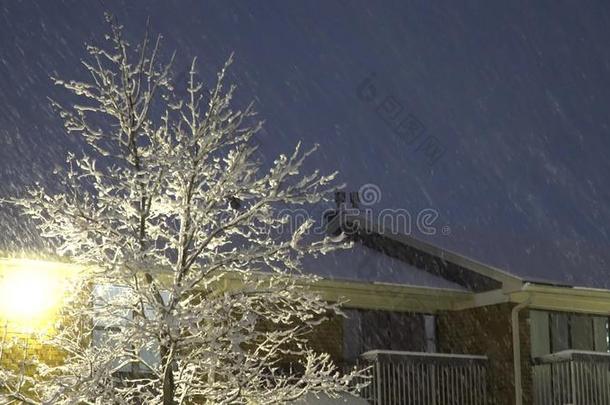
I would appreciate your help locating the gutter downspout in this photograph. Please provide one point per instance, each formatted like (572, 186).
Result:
(517, 349)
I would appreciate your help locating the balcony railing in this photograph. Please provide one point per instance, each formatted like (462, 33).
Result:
(424, 378)
(572, 377)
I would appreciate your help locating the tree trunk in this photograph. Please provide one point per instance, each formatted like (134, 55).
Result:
(169, 388)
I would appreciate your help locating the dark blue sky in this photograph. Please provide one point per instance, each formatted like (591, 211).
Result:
(517, 94)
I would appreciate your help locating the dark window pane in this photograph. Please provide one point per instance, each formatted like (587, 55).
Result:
(539, 329)
(600, 333)
(581, 332)
(560, 337)
(366, 330)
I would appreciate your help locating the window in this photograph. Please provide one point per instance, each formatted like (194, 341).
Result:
(105, 323)
(430, 328)
(365, 330)
(553, 332)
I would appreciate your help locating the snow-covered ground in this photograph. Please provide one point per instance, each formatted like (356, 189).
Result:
(325, 400)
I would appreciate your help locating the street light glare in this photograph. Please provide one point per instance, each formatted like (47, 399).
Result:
(30, 293)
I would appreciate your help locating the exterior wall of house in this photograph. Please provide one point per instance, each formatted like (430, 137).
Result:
(346, 338)
(18, 349)
(487, 331)
(26, 347)
(328, 338)
(19, 346)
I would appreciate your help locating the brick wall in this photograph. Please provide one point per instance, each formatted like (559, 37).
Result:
(487, 330)
(484, 330)
(328, 338)
(18, 350)
(19, 347)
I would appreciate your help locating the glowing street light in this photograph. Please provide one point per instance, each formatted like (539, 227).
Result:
(30, 293)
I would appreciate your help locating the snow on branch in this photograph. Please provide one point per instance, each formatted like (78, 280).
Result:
(168, 203)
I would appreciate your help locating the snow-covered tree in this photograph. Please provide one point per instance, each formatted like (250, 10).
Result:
(193, 291)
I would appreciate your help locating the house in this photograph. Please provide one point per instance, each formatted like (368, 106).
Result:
(442, 328)
(439, 328)
(525, 135)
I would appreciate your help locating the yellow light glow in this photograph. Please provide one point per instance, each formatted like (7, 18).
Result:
(31, 293)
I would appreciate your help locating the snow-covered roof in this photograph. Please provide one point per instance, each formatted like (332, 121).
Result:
(360, 263)
(509, 93)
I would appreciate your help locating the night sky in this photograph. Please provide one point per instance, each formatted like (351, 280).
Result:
(512, 97)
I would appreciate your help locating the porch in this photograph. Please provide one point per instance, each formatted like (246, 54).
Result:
(401, 377)
(572, 377)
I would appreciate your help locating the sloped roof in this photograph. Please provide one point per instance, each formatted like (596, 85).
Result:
(515, 93)
(364, 264)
